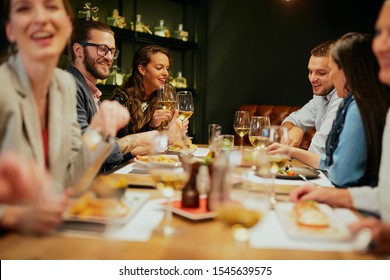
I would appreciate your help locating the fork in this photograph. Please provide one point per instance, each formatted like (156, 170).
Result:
(306, 180)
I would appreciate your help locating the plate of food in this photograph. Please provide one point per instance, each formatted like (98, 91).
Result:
(158, 160)
(90, 208)
(312, 220)
(180, 149)
(293, 173)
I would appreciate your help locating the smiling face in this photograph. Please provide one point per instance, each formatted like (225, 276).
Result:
(337, 77)
(381, 43)
(98, 66)
(319, 75)
(155, 73)
(39, 28)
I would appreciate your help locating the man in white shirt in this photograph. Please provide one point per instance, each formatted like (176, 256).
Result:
(320, 111)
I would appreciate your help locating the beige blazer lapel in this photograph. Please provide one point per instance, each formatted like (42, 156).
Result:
(32, 128)
(29, 111)
(55, 124)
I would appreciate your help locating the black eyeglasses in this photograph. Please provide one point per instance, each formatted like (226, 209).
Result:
(102, 50)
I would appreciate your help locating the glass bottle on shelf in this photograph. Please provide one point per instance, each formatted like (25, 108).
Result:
(180, 81)
(161, 30)
(180, 33)
(139, 24)
(116, 77)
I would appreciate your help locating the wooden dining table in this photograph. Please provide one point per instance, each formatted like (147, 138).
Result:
(199, 240)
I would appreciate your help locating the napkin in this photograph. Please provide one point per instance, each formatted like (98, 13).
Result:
(201, 152)
(142, 225)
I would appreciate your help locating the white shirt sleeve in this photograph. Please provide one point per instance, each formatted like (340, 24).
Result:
(365, 198)
(305, 117)
(377, 199)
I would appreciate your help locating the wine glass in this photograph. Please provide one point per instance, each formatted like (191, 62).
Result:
(257, 139)
(271, 163)
(241, 124)
(185, 105)
(170, 181)
(166, 100)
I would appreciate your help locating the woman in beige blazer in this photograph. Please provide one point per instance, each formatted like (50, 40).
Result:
(38, 117)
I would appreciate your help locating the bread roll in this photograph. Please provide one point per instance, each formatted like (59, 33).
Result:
(309, 214)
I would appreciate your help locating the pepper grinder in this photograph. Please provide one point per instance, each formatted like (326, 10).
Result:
(190, 194)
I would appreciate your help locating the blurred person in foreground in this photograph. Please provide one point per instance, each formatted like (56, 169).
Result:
(21, 179)
(320, 111)
(374, 200)
(38, 118)
(353, 146)
(93, 55)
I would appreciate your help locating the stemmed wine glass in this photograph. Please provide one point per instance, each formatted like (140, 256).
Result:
(166, 100)
(170, 181)
(241, 124)
(185, 105)
(256, 137)
(271, 163)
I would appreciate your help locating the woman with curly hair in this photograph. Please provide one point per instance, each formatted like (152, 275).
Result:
(139, 94)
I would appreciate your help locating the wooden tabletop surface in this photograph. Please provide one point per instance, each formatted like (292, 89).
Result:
(202, 240)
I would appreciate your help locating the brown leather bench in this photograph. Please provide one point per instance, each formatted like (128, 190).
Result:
(276, 113)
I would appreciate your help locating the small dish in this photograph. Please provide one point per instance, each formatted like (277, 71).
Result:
(194, 214)
(180, 150)
(308, 172)
(158, 161)
(130, 203)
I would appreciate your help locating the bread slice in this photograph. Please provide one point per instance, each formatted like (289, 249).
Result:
(309, 214)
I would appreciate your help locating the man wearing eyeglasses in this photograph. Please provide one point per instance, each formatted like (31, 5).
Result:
(93, 55)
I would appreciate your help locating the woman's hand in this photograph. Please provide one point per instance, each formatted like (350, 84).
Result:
(333, 197)
(380, 233)
(21, 179)
(41, 216)
(160, 116)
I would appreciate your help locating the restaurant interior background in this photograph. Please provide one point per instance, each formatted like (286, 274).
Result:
(240, 52)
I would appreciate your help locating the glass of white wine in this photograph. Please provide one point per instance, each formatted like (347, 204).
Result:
(273, 162)
(170, 181)
(241, 125)
(256, 137)
(166, 100)
(185, 104)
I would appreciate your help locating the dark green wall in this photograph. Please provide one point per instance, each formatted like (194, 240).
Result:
(257, 50)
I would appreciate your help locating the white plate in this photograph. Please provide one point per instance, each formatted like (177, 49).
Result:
(133, 200)
(153, 161)
(337, 231)
(175, 149)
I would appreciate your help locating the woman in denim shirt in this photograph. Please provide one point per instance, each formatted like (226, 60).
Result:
(353, 147)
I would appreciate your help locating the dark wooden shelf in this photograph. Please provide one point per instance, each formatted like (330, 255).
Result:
(128, 35)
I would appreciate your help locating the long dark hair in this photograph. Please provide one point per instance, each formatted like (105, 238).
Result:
(7, 48)
(353, 54)
(134, 87)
